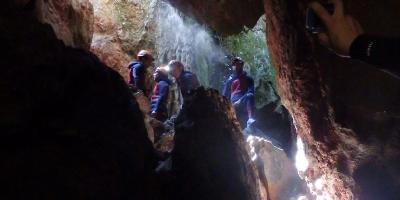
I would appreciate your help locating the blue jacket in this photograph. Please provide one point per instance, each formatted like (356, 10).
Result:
(137, 75)
(159, 98)
(187, 81)
(238, 86)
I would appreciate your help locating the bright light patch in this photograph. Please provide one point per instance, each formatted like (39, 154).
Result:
(301, 159)
(324, 196)
(168, 68)
(252, 141)
(317, 188)
(302, 198)
(318, 184)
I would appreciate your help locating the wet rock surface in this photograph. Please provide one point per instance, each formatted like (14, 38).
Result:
(70, 127)
(210, 159)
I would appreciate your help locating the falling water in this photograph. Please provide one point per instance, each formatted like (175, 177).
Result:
(180, 37)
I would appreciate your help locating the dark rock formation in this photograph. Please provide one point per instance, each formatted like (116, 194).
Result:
(70, 127)
(225, 17)
(275, 123)
(210, 159)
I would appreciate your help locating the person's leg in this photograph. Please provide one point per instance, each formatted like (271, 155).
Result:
(241, 112)
(250, 108)
(250, 105)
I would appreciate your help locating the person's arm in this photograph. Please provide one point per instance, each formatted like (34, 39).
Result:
(161, 98)
(342, 29)
(345, 36)
(140, 78)
(379, 51)
(226, 91)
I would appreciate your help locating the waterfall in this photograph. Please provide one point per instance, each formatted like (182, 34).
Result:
(180, 37)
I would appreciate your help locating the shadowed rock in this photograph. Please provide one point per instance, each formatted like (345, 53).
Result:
(210, 159)
(70, 128)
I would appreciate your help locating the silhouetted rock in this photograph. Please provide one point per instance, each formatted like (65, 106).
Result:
(210, 159)
(69, 125)
(275, 123)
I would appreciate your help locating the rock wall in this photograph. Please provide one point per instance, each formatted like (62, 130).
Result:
(70, 127)
(71, 20)
(121, 29)
(337, 113)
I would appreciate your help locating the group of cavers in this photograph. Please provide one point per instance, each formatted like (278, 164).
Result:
(171, 84)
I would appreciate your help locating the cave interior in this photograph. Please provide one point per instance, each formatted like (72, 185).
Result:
(71, 129)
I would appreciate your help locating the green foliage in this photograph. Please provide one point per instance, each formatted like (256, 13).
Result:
(250, 45)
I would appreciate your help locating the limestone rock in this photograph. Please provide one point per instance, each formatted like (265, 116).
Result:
(72, 20)
(121, 29)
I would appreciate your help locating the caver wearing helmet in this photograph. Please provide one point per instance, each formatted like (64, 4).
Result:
(187, 81)
(160, 95)
(138, 71)
(239, 89)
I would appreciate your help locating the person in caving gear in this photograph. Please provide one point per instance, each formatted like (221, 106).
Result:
(138, 76)
(160, 95)
(159, 101)
(187, 81)
(239, 89)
